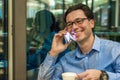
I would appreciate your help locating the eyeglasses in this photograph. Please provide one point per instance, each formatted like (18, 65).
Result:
(77, 21)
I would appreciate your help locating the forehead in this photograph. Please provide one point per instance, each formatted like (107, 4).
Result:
(75, 14)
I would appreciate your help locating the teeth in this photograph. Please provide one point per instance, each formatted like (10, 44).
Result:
(78, 31)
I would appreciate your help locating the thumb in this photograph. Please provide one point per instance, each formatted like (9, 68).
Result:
(68, 43)
(81, 75)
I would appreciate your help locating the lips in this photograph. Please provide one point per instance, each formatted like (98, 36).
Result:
(79, 31)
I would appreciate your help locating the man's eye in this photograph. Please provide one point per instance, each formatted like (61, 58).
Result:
(69, 24)
(78, 21)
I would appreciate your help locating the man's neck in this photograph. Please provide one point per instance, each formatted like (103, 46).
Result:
(87, 45)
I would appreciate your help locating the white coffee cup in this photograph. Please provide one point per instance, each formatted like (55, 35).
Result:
(69, 76)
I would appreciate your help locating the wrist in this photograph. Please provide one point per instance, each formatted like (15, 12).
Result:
(53, 53)
(104, 75)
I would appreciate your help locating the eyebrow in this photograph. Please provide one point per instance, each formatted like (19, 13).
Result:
(73, 20)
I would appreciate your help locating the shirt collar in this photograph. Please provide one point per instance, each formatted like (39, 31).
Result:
(96, 47)
(96, 44)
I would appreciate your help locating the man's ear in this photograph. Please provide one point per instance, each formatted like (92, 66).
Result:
(92, 23)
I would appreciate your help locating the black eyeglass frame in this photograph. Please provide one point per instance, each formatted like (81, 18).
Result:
(77, 21)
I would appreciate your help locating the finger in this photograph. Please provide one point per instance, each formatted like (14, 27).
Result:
(58, 36)
(86, 78)
(62, 31)
(82, 75)
(68, 43)
(65, 28)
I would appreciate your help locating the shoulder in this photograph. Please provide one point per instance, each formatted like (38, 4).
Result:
(109, 43)
(110, 46)
(51, 35)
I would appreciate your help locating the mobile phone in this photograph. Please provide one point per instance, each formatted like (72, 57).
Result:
(69, 37)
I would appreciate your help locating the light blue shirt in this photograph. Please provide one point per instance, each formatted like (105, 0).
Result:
(104, 55)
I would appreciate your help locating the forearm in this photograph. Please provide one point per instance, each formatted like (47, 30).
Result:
(46, 68)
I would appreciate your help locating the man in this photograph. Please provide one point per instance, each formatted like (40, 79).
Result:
(93, 59)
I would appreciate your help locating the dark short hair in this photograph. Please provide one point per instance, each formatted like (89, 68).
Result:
(87, 11)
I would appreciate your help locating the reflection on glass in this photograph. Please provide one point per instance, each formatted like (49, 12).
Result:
(57, 7)
(3, 40)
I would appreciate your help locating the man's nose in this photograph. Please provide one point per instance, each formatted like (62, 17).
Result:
(75, 25)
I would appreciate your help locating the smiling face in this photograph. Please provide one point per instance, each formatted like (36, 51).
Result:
(82, 28)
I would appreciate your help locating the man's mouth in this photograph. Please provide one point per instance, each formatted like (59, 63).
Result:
(79, 31)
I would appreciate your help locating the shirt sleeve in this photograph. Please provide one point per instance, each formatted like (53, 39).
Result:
(113, 76)
(116, 74)
(48, 69)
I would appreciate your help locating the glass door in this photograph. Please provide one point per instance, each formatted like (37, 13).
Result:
(12, 40)
(3, 40)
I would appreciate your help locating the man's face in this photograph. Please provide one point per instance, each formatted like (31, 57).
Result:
(77, 21)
